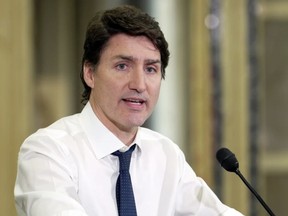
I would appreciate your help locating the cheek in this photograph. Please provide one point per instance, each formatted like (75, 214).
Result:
(108, 90)
(155, 90)
(157, 85)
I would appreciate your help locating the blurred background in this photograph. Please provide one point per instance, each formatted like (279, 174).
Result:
(226, 86)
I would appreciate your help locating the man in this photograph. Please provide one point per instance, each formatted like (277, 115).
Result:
(71, 168)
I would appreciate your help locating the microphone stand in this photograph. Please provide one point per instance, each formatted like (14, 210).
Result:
(237, 171)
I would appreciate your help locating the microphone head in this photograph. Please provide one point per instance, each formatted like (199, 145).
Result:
(227, 160)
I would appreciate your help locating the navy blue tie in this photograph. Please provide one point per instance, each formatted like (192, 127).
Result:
(124, 190)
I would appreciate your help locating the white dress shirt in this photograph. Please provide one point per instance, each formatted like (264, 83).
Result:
(67, 169)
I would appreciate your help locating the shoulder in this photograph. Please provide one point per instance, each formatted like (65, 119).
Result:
(62, 127)
(52, 137)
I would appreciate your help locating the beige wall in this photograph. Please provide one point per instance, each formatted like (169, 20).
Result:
(235, 78)
(234, 96)
(16, 67)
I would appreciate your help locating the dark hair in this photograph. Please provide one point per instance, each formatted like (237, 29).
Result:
(123, 19)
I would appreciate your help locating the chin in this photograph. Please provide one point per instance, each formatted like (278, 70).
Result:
(134, 120)
(137, 123)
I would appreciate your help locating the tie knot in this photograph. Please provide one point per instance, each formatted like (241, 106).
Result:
(124, 158)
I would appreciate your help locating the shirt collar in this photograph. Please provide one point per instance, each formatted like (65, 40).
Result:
(103, 141)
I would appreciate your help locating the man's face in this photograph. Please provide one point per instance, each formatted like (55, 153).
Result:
(126, 82)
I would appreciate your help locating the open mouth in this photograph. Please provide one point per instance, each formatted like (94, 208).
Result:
(134, 101)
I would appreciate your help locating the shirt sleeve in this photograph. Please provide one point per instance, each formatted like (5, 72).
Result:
(194, 197)
(46, 182)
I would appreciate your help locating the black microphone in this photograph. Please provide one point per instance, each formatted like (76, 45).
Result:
(230, 163)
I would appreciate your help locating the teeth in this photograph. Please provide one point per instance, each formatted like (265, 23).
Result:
(134, 101)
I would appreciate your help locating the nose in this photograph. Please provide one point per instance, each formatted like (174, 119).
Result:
(137, 81)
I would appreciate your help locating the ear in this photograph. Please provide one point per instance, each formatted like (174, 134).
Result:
(88, 73)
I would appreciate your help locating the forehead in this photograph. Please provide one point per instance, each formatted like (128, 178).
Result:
(136, 46)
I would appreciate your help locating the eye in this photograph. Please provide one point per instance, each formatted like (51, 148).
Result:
(151, 69)
(121, 66)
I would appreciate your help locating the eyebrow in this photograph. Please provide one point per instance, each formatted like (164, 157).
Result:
(131, 58)
(152, 61)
